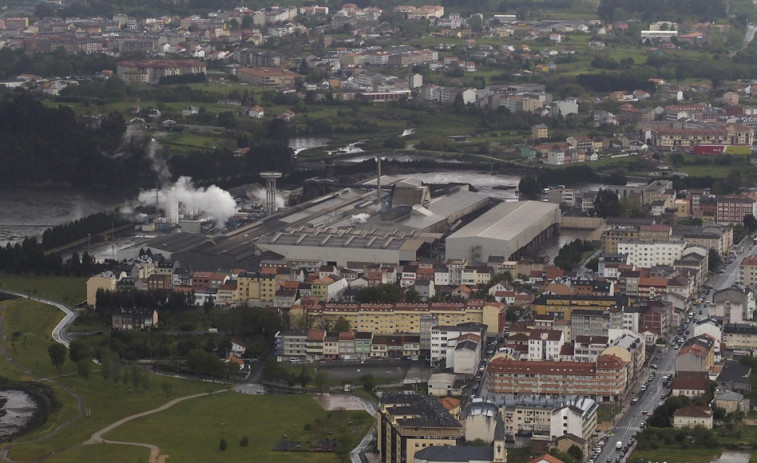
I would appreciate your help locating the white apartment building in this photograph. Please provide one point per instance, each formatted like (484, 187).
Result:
(545, 344)
(650, 253)
(577, 417)
(444, 340)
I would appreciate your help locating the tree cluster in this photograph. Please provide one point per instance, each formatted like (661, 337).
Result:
(570, 255)
(13, 61)
(80, 228)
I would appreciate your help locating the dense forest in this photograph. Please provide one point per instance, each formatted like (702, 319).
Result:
(51, 145)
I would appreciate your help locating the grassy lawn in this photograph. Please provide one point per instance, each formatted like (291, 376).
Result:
(672, 455)
(605, 413)
(263, 419)
(69, 290)
(32, 322)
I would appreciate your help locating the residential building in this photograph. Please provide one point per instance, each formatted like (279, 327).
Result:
(604, 380)
(733, 305)
(731, 401)
(562, 306)
(267, 77)
(290, 345)
(733, 209)
(408, 423)
(696, 354)
(691, 384)
(577, 417)
(735, 376)
(151, 71)
(651, 253)
(747, 272)
(405, 317)
(691, 417)
(740, 337)
(134, 318)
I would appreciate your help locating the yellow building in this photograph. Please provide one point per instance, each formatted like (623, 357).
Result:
(683, 208)
(563, 306)
(404, 317)
(105, 282)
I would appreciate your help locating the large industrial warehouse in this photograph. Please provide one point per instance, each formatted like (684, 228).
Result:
(504, 231)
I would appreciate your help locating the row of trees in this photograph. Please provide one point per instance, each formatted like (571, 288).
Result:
(80, 228)
(29, 257)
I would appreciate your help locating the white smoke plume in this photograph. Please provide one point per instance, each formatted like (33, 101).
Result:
(213, 202)
(360, 218)
(260, 195)
(157, 163)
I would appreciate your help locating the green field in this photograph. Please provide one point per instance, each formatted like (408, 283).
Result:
(263, 419)
(69, 290)
(189, 432)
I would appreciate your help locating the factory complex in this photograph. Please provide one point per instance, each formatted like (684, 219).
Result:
(397, 221)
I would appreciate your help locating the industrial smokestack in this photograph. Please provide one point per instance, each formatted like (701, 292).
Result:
(378, 182)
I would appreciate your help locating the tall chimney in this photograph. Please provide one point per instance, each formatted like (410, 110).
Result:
(378, 182)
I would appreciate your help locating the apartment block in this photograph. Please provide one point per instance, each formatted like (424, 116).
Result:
(605, 380)
(408, 423)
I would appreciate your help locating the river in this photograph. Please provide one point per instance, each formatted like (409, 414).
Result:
(28, 211)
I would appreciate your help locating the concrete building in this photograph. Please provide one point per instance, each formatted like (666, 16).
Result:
(748, 271)
(267, 77)
(651, 253)
(408, 423)
(697, 354)
(733, 209)
(402, 317)
(733, 305)
(446, 339)
(577, 417)
(151, 71)
(290, 345)
(562, 307)
(741, 338)
(504, 231)
(604, 381)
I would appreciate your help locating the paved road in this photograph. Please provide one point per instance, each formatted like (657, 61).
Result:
(665, 360)
(60, 333)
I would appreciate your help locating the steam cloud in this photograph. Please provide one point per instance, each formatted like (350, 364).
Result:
(260, 195)
(360, 218)
(214, 202)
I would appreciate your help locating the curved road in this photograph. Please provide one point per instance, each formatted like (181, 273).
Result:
(59, 332)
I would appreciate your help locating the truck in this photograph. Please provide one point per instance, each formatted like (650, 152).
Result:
(618, 445)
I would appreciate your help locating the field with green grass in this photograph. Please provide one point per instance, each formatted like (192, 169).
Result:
(68, 290)
(263, 419)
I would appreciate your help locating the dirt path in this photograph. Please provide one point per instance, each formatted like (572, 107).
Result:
(155, 457)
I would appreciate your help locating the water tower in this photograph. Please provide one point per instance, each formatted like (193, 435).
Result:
(270, 191)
